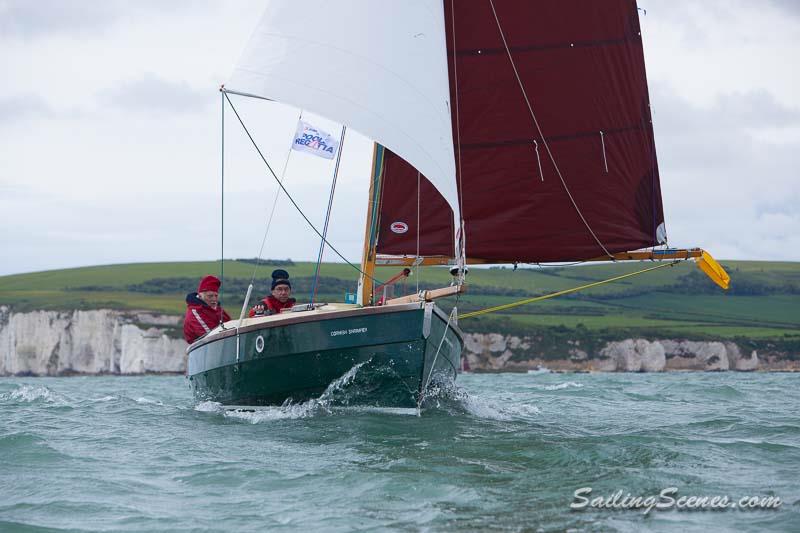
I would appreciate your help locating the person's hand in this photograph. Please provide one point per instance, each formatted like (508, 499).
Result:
(258, 310)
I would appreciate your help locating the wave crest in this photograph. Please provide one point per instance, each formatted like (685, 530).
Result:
(29, 394)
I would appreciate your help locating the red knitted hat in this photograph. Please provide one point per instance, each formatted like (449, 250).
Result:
(209, 283)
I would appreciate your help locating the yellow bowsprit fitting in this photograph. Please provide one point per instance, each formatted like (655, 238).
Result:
(713, 270)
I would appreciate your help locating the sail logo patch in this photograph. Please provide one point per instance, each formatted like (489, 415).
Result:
(398, 227)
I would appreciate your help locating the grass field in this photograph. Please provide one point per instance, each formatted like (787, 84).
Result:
(764, 300)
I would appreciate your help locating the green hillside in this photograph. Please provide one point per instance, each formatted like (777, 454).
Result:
(763, 302)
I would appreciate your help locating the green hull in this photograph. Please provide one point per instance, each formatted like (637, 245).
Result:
(386, 356)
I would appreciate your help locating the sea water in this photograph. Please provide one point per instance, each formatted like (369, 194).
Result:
(503, 452)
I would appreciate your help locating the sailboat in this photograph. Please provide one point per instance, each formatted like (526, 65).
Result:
(505, 132)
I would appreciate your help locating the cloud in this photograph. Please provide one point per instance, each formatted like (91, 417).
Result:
(791, 7)
(19, 108)
(724, 183)
(754, 109)
(727, 131)
(41, 18)
(154, 95)
(681, 9)
(23, 18)
(681, 16)
(130, 146)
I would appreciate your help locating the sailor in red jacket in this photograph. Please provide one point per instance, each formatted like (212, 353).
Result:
(203, 312)
(280, 298)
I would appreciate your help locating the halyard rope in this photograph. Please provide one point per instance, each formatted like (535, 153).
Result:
(562, 293)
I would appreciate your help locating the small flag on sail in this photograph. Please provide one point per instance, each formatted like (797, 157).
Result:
(309, 139)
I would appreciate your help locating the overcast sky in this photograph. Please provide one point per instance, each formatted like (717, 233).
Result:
(110, 129)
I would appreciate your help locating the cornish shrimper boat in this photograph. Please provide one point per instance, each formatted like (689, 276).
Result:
(298, 355)
(506, 132)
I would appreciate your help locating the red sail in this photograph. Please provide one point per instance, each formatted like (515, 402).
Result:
(581, 65)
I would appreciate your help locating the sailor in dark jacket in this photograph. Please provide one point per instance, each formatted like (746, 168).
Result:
(203, 312)
(280, 297)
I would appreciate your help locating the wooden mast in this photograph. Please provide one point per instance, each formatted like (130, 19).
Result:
(365, 281)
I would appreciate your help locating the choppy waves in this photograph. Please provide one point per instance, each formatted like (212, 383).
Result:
(490, 452)
(29, 393)
(340, 399)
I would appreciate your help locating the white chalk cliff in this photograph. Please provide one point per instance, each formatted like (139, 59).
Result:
(53, 343)
(492, 351)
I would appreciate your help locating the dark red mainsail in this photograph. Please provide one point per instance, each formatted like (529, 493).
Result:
(581, 66)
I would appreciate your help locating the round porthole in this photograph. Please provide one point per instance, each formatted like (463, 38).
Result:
(259, 344)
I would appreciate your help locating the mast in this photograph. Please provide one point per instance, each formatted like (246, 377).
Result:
(365, 281)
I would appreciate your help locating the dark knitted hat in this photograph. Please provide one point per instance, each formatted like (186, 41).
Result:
(276, 282)
(280, 274)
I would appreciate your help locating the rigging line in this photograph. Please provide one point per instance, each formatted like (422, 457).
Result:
(461, 235)
(654, 173)
(289, 196)
(266, 232)
(274, 205)
(458, 125)
(327, 218)
(455, 80)
(222, 208)
(416, 266)
(453, 312)
(567, 291)
(556, 265)
(539, 129)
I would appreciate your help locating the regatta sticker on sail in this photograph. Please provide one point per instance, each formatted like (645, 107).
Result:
(312, 140)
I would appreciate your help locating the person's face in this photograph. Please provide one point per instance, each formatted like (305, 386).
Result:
(282, 293)
(210, 297)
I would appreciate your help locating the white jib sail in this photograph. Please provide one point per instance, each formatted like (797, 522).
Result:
(379, 67)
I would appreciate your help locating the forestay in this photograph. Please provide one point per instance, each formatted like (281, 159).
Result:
(378, 67)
